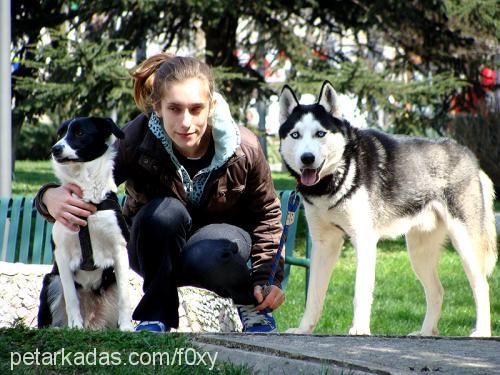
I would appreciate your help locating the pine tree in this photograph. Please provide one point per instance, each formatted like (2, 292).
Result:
(438, 47)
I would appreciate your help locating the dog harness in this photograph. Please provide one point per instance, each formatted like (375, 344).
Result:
(109, 203)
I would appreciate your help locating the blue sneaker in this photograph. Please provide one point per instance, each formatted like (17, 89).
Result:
(256, 321)
(151, 326)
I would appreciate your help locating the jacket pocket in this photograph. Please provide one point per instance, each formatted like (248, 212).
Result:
(233, 192)
(226, 200)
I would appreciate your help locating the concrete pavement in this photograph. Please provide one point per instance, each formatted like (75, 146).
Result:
(317, 354)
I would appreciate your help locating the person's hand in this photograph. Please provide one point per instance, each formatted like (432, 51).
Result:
(273, 300)
(65, 205)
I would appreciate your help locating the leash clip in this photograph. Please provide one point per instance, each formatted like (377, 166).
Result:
(266, 289)
(293, 205)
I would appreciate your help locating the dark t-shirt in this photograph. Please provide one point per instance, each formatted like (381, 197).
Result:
(194, 165)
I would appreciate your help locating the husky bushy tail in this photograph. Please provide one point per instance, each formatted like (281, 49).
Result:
(489, 235)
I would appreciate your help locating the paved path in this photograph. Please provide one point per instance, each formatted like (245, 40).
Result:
(315, 354)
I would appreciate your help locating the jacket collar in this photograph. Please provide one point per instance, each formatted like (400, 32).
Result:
(225, 133)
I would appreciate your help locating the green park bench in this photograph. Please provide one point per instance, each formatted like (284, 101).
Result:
(25, 236)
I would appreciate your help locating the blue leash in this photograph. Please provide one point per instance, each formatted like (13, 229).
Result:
(293, 205)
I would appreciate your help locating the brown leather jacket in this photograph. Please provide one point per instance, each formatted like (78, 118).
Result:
(240, 192)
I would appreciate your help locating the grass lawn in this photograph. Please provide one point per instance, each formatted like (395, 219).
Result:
(110, 352)
(399, 303)
(30, 175)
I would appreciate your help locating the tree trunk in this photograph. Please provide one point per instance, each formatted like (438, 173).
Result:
(220, 36)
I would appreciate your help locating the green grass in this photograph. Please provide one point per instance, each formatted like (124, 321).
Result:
(399, 301)
(110, 352)
(30, 175)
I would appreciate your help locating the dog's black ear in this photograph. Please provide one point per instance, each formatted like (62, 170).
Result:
(288, 101)
(328, 99)
(115, 129)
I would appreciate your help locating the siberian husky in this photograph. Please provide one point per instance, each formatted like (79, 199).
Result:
(88, 287)
(370, 185)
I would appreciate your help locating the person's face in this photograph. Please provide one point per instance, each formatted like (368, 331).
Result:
(185, 109)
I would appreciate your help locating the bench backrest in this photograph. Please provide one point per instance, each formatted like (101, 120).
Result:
(25, 236)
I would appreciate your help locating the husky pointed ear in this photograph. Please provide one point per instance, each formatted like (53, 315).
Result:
(328, 99)
(288, 101)
(115, 130)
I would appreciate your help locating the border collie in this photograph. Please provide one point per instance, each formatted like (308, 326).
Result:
(88, 287)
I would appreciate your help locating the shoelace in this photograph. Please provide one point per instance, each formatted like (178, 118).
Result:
(253, 317)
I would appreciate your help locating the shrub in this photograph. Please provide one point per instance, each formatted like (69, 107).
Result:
(35, 141)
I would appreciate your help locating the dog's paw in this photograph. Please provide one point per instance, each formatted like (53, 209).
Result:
(434, 332)
(127, 327)
(480, 333)
(359, 331)
(297, 331)
(75, 323)
(415, 334)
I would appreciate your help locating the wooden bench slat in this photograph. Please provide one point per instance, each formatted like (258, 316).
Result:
(47, 249)
(26, 230)
(308, 256)
(4, 209)
(13, 229)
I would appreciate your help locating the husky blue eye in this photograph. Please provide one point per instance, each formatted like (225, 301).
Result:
(320, 134)
(295, 135)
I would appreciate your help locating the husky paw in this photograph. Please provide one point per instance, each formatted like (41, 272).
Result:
(434, 332)
(359, 331)
(297, 331)
(480, 333)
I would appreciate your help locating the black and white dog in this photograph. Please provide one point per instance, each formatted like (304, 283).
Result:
(369, 185)
(88, 287)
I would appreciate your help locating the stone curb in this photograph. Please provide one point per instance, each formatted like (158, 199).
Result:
(262, 359)
(273, 364)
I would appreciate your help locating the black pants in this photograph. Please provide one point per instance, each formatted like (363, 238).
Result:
(166, 254)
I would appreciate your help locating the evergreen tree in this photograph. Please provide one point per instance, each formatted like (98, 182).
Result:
(438, 47)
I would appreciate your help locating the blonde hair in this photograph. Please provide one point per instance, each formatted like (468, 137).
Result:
(154, 74)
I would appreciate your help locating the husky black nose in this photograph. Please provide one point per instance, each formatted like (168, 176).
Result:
(57, 150)
(307, 158)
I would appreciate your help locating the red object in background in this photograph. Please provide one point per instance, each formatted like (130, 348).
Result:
(470, 101)
(488, 78)
(321, 53)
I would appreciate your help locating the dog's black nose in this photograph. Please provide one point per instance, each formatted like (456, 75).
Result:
(307, 158)
(57, 150)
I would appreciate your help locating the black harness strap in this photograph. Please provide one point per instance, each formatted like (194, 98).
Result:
(110, 203)
(86, 245)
